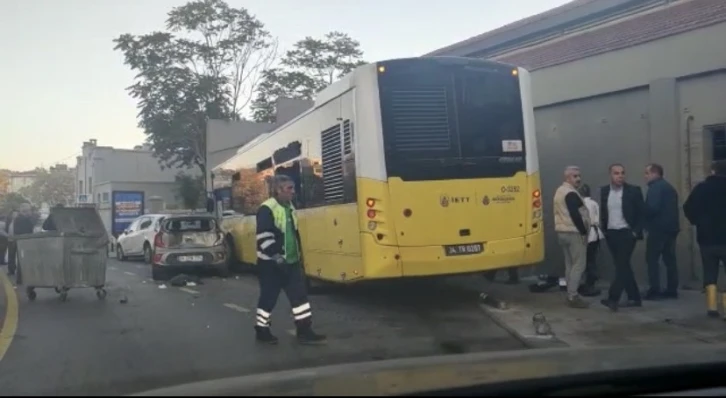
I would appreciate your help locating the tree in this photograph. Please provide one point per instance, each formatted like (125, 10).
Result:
(309, 67)
(206, 66)
(190, 190)
(56, 186)
(10, 201)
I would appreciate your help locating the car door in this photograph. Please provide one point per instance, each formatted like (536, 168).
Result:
(126, 240)
(146, 224)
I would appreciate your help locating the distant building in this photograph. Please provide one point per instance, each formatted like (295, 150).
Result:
(21, 179)
(103, 170)
(630, 81)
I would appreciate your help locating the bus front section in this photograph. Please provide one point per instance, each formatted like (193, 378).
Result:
(461, 164)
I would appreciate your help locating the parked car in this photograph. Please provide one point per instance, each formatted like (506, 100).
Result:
(189, 242)
(138, 239)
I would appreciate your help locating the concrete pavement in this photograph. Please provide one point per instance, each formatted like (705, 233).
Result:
(163, 337)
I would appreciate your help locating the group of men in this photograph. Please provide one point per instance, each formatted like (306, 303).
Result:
(626, 217)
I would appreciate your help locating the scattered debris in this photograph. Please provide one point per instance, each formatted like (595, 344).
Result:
(162, 286)
(541, 326)
(184, 280)
(124, 300)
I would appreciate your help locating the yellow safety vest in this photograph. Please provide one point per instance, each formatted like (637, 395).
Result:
(280, 215)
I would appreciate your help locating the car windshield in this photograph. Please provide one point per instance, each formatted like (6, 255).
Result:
(189, 225)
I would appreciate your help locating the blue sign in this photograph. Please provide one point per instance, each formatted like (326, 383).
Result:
(126, 206)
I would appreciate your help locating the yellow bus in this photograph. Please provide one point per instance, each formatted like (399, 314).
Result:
(404, 168)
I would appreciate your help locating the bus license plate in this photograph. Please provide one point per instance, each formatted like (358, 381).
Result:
(462, 250)
(185, 259)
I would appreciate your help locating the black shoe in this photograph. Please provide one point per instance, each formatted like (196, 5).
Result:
(652, 295)
(264, 335)
(613, 306)
(306, 335)
(588, 291)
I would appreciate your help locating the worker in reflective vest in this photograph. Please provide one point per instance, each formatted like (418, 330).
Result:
(279, 265)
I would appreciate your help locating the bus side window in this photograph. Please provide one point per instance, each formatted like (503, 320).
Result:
(292, 170)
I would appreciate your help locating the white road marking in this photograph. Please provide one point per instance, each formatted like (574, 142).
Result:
(129, 273)
(190, 291)
(291, 332)
(236, 307)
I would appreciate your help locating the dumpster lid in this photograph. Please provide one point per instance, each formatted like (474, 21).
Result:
(76, 219)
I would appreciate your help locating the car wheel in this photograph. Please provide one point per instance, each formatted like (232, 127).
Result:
(147, 253)
(158, 273)
(120, 256)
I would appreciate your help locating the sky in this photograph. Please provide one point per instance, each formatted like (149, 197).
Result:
(62, 82)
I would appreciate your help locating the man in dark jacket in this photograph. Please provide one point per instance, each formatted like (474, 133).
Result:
(23, 224)
(279, 255)
(705, 208)
(621, 218)
(662, 223)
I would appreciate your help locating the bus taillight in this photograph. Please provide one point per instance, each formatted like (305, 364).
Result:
(536, 193)
(537, 203)
(371, 213)
(370, 202)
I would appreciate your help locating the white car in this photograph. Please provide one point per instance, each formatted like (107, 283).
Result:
(138, 239)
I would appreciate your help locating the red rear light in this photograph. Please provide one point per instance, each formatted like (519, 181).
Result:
(159, 240)
(371, 213)
(537, 203)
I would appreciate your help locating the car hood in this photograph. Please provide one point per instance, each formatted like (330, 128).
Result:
(412, 375)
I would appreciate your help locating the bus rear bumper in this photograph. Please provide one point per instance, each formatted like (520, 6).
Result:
(432, 260)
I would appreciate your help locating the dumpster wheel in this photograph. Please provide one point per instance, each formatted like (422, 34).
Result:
(64, 294)
(30, 292)
(101, 293)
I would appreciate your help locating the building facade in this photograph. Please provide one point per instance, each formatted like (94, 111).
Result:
(622, 81)
(102, 170)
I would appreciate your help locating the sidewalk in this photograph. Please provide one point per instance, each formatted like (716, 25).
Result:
(679, 321)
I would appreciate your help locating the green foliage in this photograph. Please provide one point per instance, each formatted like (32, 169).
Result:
(190, 190)
(10, 201)
(309, 67)
(207, 65)
(53, 187)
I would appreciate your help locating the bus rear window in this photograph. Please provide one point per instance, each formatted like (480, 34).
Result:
(451, 121)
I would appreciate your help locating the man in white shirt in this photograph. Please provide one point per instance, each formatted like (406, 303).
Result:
(621, 218)
(594, 237)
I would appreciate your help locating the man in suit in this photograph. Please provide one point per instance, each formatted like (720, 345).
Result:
(621, 218)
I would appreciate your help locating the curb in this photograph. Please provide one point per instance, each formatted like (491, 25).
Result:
(529, 343)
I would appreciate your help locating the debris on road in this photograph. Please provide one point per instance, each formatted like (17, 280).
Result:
(162, 286)
(124, 300)
(184, 280)
(541, 326)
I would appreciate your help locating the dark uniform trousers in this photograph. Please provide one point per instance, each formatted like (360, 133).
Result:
(275, 277)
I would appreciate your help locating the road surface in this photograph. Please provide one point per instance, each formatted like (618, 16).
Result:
(163, 337)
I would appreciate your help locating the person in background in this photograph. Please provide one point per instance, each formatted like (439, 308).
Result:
(593, 243)
(10, 245)
(705, 208)
(662, 225)
(621, 218)
(572, 224)
(4, 239)
(23, 224)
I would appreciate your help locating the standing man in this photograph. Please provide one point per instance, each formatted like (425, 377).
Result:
(279, 265)
(595, 235)
(621, 217)
(23, 224)
(572, 224)
(662, 224)
(705, 208)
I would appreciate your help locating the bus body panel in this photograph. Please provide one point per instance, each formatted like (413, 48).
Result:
(459, 211)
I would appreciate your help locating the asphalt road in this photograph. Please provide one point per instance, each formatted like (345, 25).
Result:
(163, 337)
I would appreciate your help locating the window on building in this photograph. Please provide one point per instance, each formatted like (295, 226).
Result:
(105, 197)
(718, 137)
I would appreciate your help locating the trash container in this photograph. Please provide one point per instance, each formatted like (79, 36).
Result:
(71, 254)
